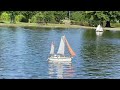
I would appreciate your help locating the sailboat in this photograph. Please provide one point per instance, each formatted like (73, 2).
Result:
(99, 28)
(60, 56)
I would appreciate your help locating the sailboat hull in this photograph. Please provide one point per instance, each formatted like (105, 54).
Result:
(99, 30)
(57, 59)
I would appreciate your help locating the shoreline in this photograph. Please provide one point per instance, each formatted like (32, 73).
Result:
(53, 26)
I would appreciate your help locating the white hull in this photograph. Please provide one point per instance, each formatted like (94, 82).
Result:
(59, 59)
(99, 30)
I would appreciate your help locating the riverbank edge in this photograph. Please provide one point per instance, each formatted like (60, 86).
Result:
(52, 26)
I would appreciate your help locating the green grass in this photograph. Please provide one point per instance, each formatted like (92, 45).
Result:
(115, 24)
(50, 25)
(40, 25)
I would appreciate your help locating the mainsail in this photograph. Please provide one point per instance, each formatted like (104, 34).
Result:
(61, 46)
(52, 48)
(69, 48)
(99, 28)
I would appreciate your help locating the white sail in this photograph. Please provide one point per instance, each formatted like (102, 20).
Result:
(99, 28)
(61, 46)
(52, 49)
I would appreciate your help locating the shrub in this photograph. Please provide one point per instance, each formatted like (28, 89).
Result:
(19, 18)
(37, 18)
(33, 19)
(5, 17)
(115, 24)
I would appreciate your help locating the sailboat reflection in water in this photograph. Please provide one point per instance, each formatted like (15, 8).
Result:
(99, 33)
(61, 70)
(60, 54)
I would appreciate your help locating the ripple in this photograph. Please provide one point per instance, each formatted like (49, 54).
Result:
(24, 53)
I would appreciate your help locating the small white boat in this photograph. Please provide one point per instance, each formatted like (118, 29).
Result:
(99, 28)
(60, 54)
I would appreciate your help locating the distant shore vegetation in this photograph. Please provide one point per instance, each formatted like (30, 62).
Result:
(82, 18)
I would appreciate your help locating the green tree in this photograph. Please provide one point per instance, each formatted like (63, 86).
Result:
(18, 18)
(60, 15)
(13, 15)
(78, 16)
(5, 16)
(108, 16)
(28, 14)
(49, 17)
(37, 18)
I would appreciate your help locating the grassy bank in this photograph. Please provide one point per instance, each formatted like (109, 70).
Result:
(42, 25)
(51, 26)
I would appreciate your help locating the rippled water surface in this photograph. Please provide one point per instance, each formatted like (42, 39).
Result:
(24, 53)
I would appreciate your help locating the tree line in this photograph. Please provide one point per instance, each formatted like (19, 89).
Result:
(86, 18)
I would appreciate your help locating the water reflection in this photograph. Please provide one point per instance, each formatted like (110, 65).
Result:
(60, 70)
(99, 33)
(99, 55)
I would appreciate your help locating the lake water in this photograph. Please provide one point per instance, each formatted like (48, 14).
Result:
(24, 53)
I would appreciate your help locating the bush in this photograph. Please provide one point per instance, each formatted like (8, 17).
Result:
(93, 23)
(33, 19)
(5, 17)
(82, 23)
(37, 18)
(85, 23)
(61, 22)
(115, 24)
(49, 17)
(19, 18)
(75, 22)
(65, 21)
(24, 19)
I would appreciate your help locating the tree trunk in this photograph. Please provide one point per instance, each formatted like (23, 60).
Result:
(12, 17)
(108, 24)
